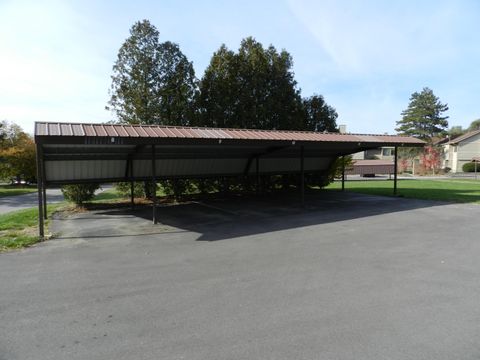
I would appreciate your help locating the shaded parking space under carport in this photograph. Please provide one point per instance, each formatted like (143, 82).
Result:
(391, 278)
(233, 216)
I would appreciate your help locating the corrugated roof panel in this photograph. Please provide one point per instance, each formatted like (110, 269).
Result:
(140, 131)
(99, 130)
(89, 130)
(110, 130)
(255, 135)
(239, 134)
(130, 131)
(54, 129)
(177, 133)
(150, 132)
(159, 132)
(216, 134)
(78, 130)
(185, 133)
(120, 130)
(197, 132)
(66, 130)
(41, 129)
(277, 136)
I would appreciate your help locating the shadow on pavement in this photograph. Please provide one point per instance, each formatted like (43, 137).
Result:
(223, 219)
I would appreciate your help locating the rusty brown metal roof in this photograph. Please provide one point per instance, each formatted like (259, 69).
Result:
(159, 131)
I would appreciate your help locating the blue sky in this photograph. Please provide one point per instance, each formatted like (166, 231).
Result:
(365, 57)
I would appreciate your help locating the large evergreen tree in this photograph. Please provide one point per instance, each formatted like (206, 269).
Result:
(152, 82)
(253, 88)
(218, 98)
(319, 116)
(424, 116)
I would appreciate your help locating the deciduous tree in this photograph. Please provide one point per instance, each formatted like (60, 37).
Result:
(152, 82)
(319, 116)
(17, 153)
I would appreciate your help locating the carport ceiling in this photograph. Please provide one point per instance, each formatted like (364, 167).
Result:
(72, 153)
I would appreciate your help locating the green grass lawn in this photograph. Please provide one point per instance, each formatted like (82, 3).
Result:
(453, 190)
(19, 228)
(11, 190)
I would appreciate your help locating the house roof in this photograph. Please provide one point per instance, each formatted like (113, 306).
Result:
(464, 137)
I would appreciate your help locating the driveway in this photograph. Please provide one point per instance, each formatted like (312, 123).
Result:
(19, 202)
(349, 277)
(25, 201)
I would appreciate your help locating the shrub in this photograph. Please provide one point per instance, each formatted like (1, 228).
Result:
(176, 187)
(80, 193)
(123, 188)
(470, 167)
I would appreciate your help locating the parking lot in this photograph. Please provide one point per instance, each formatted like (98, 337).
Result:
(349, 276)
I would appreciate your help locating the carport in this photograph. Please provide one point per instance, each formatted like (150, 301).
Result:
(72, 153)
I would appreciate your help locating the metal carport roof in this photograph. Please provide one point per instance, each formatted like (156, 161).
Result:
(77, 152)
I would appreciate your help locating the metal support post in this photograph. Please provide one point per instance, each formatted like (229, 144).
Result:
(44, 198)
(395, 170)
(132, 186)
(44, 189)
(302, 175)
(343, 173)
(154, 180)
(257, 174)
(41, 233)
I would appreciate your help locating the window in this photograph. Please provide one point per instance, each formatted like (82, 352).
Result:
(387, 152)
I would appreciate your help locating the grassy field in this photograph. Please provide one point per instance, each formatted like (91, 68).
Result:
(11, 190)
(19, 228)
(452, 190)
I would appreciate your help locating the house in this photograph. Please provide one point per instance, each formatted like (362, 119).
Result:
(373, 161)
(382, 153)
(461, 150)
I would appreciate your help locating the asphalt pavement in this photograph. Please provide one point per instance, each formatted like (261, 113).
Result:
(25, 201)
(348, 277)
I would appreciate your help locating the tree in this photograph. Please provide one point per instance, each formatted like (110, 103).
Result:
(253, 88)
(424, 116)
(455, 131)
(474, 125)
(218, 98)
(431, 158)
(17, 153)
(152, 82)
(319, 116)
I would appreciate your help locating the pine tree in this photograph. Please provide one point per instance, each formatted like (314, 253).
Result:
(424, 116)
